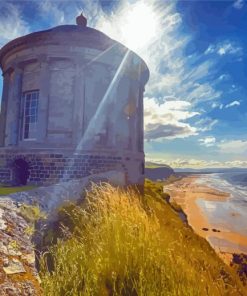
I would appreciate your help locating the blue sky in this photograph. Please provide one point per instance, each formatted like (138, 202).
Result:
(195, 102)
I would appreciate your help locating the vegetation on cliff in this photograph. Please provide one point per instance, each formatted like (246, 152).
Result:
(119, 243)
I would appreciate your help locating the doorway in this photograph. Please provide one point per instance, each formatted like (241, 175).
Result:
(21, 172)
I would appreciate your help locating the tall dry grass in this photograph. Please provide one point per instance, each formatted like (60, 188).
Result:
(116, 245)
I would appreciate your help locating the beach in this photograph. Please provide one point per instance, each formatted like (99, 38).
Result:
(212, 213)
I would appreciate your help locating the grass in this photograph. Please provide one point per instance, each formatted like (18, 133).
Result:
(31, 213)
(120, 243)
(9, 190)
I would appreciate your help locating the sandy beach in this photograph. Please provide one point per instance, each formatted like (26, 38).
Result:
(188, 192)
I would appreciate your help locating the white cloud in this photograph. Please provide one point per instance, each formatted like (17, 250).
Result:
(222, 106)
(208, 141)
(198, 163)
(225, 48)
(233, 147)
(52, 10)
(12, 25)
(203, 92)
(232, 104)
(217, 105)
(223, 77)
(206, 124)
(210, 49)
(65, 12)
(166, 120)
(228, 48)
(238, 4)
(194, 82)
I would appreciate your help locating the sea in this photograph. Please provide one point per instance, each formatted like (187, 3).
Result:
(231, 214)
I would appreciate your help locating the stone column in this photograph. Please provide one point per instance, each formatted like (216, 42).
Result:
(140, 128)
(79, 105)
(133, 115)
(136, 120)
(13, 112)
(4, 105)
(44, 86)
(132, 129)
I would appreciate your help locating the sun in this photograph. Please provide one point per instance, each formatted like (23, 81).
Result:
(136, 25)
(139, 26)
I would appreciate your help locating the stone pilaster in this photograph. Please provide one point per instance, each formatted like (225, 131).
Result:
(140, 128)
(79, 105)
(43, 99)
(13, 112)
(132, 116)
(4, 106)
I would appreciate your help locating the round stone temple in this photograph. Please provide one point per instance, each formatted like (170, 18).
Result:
(72, 107)
(81, 20)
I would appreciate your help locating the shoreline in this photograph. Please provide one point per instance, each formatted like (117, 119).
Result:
(187, 192)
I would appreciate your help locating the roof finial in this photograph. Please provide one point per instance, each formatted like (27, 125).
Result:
(81, 20)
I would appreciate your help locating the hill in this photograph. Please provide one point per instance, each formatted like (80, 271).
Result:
(154, 171)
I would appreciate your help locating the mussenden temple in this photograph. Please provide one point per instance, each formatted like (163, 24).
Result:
(72, 106)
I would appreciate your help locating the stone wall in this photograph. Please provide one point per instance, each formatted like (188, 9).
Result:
(50, 198)
(50, 168)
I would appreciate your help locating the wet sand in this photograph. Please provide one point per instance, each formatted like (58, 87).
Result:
(187, 192)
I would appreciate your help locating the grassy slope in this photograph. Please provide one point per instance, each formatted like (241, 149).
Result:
(197, 257)
(9, 190)
(121, 244)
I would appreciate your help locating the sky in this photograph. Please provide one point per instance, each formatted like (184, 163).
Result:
(195, 106)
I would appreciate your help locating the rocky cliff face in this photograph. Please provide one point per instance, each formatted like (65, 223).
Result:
(18, 275)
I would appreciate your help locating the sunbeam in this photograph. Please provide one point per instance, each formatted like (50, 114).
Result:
(87, 136)
(100, 55)
(106, 97)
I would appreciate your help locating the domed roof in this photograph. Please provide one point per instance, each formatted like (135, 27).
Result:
(72, 35)
(62, 35)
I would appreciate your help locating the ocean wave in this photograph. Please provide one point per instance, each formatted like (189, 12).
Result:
(226, 182)
(230, 214)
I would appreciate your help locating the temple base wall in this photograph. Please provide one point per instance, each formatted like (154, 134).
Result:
(50, 167)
